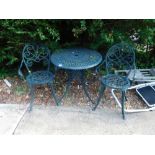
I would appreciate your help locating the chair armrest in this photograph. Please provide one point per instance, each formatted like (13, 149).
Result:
(20, 71)
(99, 66)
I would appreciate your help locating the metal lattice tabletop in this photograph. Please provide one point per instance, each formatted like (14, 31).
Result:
(76, 58)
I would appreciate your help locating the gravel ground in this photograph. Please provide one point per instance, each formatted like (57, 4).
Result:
(19, 93)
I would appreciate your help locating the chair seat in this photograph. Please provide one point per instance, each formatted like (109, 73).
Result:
(116, 81)
(40, 77)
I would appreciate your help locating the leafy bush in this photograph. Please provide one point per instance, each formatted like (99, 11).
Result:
(96, 34)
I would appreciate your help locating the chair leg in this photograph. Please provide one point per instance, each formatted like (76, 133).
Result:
(122, 104)
(101, 92)
(126, 98)
(32, 97)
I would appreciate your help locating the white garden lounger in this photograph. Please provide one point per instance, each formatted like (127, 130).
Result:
(150, 108)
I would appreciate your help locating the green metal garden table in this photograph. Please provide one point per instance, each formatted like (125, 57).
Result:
(76, 61)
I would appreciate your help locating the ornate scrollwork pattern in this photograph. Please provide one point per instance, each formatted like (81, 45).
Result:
(115, 81)
(120, 56)
(40, 77)
(35, 53)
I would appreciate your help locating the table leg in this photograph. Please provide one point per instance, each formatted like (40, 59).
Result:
(83, 82)
(80, 76)
(101, 92)
(68, 83)
(74, 75)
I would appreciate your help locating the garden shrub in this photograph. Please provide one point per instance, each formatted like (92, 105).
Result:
(96, 34)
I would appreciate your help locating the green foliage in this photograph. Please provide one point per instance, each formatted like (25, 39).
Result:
(4, 72)
(96, 34)
(15, 33)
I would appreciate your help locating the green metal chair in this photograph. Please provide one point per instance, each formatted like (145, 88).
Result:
(36, 59)
(119, 56)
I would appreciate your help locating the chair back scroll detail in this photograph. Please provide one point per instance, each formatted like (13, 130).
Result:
(35, 53)
(119, 57)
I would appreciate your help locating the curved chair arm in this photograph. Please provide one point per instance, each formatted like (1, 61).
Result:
(20, 71)
(100, 65)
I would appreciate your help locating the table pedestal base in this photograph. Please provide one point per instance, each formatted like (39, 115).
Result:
(78, 75)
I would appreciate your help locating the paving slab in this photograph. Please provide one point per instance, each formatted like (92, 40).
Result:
(73, 120)
(141, 123)
(82, 120)
(10, 115)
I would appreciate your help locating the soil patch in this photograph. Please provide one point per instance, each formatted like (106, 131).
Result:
(19, 93)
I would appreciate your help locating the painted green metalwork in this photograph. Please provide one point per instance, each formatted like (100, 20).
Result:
(119, 56)
(75, 61)
(34, 57)
(76, 58)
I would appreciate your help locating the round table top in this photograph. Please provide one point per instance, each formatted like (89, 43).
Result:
(76, 58)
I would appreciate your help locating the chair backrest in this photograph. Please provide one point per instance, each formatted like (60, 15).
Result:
(35, 54)
(120, 56)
